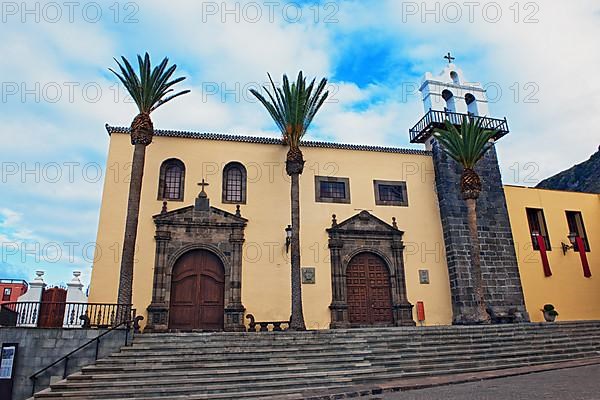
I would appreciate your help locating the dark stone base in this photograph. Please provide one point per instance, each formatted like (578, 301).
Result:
(234, 318)
(499, 315)
(339, 316)
(157, 318)
(403, 315)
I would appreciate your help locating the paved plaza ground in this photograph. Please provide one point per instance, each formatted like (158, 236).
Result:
(582, 383)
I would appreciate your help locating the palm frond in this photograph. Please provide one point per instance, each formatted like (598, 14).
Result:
(293, 106)
(468, 145)
(149, 88)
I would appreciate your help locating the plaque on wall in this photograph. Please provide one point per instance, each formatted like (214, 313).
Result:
(308, 275)
(424, 276)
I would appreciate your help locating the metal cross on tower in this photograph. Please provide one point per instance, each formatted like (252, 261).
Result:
(450, 58)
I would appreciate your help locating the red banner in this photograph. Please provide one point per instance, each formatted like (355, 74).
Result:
(544, 254)
(584, 262)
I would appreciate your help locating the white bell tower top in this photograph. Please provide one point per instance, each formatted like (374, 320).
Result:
(450, 91)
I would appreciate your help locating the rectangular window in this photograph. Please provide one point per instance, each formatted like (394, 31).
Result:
(575, 222)
(6, 294)
(537, 224)
(390, 193)
(332, 189)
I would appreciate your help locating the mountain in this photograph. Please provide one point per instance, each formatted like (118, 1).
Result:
(584, 177)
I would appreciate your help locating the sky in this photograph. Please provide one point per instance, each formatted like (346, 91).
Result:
(539, 61)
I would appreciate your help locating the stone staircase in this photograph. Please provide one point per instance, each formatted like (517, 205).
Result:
(293, 365)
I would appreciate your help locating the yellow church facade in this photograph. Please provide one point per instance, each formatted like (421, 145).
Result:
(265, 264)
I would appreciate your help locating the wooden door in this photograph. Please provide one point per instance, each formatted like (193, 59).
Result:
(368, 291)
(197, 292)
(52, 309)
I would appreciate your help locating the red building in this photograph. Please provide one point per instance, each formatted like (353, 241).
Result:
(11, 289)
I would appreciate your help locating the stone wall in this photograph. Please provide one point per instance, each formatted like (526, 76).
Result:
(39, 347)
(501, 279)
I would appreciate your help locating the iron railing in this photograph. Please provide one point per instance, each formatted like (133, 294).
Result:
(69, 315)
(436, 119)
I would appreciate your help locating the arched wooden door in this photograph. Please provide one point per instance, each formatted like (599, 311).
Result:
(197, 292)
(368, 291)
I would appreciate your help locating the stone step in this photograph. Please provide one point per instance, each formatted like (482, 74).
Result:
(394, 360)
(107, 366)
(224, 369)
(200, 357)
(464, 367)
(159, 351)
(419, 346)
(128, 382)
(359, 334)
(281, 393)
(133, 390)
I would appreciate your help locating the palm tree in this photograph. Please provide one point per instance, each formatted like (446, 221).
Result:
(293, 109)
(149, 90)
(467, 147)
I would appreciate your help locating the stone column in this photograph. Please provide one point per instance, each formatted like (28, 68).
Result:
(158, 310)
(402, 308)
(234, 309)
(339, 305)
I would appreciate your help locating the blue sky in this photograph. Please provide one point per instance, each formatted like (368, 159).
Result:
(57, 93)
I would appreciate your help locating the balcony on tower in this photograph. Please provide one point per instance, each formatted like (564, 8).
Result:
(436, 119)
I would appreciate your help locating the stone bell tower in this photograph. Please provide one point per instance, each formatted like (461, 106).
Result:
(450, 97)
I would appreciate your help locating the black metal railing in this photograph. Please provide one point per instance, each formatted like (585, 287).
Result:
(436, 119)
(68, 315)
(133, 323)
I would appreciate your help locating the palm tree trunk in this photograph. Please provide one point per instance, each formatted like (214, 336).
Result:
(131, 225)
(481, 315)
(297, 318)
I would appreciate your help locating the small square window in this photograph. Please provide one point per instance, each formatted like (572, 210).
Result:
(6, 294)
(390, 193)
(332, 189)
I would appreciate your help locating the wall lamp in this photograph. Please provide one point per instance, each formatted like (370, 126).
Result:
(288, 238)
(572, 239)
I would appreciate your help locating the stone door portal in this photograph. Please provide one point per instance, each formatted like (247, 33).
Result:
(369, 291)
(197, 292)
